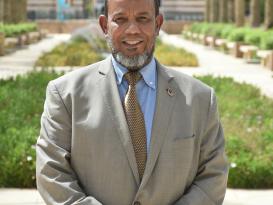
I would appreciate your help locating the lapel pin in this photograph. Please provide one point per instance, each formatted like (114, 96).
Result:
(170, 92)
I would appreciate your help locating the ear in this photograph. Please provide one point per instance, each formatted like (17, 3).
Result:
(103, 23)
(158, 22)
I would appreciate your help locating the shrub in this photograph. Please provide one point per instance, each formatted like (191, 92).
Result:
(227, 29)
(75, 53)
(12, 30)
(266, 42)
(247, 120)
(254, 37)
(21, 105)
(173, 56)
(238, 35)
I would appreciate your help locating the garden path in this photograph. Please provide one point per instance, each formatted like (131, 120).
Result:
(23, 60)
(233, 197)
(219, 64)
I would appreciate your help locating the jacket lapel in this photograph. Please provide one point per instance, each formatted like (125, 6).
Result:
(112, 100)
(166, 96)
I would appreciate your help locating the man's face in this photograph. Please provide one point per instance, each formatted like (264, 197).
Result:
(131, 29)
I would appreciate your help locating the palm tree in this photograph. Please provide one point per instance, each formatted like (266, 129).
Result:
(255, 13)
(214, 10)
(208, 9)
(230, 11)
(223, 12)
(268, 14)
(240, 12)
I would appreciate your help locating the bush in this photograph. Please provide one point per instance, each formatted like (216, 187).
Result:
(21, 105)
(75, 53)
(227, 29)
(267, 41)
(254, 37)
(247, 120)
(173, 56)
(69, 55)
(13, 30)
(238, 34)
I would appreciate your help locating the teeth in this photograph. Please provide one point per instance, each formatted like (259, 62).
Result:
(132, 42)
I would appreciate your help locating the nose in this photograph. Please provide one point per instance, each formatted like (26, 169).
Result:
(132, 28)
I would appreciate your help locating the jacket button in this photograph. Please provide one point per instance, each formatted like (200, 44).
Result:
(137, 203)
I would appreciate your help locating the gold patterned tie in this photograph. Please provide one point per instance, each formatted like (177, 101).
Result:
(135, 121)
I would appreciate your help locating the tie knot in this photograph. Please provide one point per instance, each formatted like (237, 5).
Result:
(132, 77)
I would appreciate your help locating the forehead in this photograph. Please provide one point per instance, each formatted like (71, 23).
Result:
(136, 6)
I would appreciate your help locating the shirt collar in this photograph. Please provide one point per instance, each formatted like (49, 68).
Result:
(148, 72)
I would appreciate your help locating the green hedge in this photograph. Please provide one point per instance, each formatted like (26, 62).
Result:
(21, 105)
(246, 117)
(248, 125)
(13, 30)
(253, 36)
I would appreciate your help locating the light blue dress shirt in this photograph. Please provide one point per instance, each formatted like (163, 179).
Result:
(146, 92)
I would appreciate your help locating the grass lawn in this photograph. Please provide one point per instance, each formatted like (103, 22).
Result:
(246, 116)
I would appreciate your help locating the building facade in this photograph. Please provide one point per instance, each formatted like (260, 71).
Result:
(50, 9)
(188, 10)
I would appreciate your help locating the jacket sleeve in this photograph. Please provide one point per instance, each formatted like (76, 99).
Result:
(56, 180)
(209, 185)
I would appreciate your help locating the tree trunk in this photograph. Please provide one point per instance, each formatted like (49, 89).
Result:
(268, 14)
(208, 9)
(15, 11)
(240, 12)
(1, 11)
(214, 10)
(223, 5)
(255, 13)
(231, 11)
(7, 11)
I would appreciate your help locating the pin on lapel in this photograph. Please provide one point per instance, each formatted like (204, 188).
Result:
(170, 92)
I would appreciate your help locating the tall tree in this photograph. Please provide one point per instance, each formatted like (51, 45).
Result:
(1, 11)
(268, 14)
(214, 10)
(208, 9)
(15, 11)
(223, 11)
(240, 12)
(231, 11)
(255, 13)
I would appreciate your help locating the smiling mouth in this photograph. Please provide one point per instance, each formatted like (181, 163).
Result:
(132, 42)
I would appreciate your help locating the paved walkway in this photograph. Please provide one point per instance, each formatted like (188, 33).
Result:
(233, 197)
(211, 62)
(219, 64)
(23, 60)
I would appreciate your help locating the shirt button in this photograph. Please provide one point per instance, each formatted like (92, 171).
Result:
(137, 203)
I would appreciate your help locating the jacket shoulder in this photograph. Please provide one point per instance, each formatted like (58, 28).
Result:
(78, 78)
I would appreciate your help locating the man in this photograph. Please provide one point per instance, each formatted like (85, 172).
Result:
(127, 130)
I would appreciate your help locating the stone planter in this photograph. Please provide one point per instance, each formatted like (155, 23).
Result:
(32, 37)
(22, 40)
(234, 49)
(2, 44)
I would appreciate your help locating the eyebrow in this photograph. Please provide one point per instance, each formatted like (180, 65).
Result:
(120, 13)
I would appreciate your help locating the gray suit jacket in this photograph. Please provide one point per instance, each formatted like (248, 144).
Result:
(85, 155)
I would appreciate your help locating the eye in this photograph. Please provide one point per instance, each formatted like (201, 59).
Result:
(120, 20)
(143, 19)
